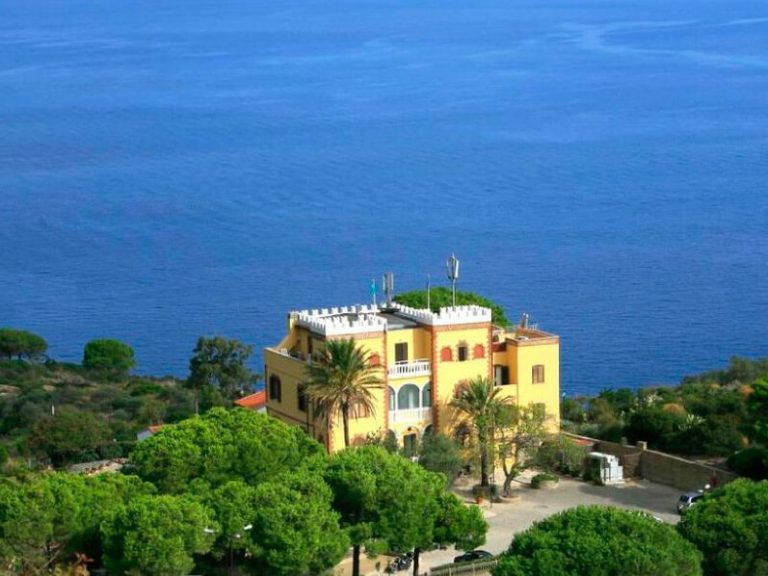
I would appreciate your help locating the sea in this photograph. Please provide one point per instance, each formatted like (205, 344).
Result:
(202, 167)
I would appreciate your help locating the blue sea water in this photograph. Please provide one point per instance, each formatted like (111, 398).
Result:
(177, 168)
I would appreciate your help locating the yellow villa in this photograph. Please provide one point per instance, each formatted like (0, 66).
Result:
(424, 357)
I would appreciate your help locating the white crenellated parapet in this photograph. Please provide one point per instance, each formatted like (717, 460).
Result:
(448, 315)
(342, 320)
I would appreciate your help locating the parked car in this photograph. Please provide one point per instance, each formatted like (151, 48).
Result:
(688, 499)
(473, 555)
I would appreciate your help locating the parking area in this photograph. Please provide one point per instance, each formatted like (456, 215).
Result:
(510, 517)
(516, 515)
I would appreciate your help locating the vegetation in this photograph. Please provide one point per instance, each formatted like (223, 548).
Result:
(230, 488)
(730, 526)
(480, 405)
(716, 413)
(111, 357)
(21, 344)
(387, 503)
(218, 368)
(157, 535)
(61, 414)
(222, 445)
(591, 540)
(440, 297)
(439, 453)
(520, 433)
(341, 379)
(537, 480)
(562, 455)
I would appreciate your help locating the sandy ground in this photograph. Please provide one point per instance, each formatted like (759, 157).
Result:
(509, 517)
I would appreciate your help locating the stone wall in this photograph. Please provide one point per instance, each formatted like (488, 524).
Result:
(659, 467)
(681, 473)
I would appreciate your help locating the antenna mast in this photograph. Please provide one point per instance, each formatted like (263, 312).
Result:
(388, 283)
(452, 266)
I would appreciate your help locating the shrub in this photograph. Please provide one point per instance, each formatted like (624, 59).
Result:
(730, 527)
(562, 455)
(591, 540)
(111, 357)
(544, 477)
(751, 462)
(438, 453)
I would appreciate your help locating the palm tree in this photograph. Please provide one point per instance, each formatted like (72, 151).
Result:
(341, 378)
(479, 405)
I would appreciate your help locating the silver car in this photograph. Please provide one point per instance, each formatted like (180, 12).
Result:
(688, 499)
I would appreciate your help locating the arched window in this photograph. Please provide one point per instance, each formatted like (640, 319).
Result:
(426, 395)
(427, 431)
(275, 388)
(446, 354)
(463, 352)
(408, 397)
(479, 351)
(392, 399)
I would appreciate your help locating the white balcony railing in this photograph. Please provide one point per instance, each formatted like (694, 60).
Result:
(415, 368)
(410, 415)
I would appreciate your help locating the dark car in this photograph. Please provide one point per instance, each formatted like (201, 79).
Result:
(472, 556)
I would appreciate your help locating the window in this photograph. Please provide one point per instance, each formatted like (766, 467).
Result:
(275, 388)
(501, 375)
(463, 352)
(401, 352)
(479, 351)
(446, 354)
(309, 345)
(538, 374)
(408, 397)
(426, 396)
(301, 397)
(392, 399)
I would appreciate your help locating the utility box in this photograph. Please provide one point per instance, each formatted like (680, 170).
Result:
(604, 469)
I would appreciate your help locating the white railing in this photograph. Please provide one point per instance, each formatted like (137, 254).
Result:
(416, 368)
(410, 415)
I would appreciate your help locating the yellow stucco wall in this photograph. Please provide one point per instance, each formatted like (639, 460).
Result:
(527, 356)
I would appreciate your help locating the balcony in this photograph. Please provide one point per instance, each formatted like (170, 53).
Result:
(421, 367)
(410, 415)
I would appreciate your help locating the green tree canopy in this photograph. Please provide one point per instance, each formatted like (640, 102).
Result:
(26, 526)
(46, 519)
(439, 453)
(71, 435)
(440, 297)
(157, 536)
(599, 541)
(295, 531)
(223, 445)
(220, 364)
(730, 526)
(342, 377)
(388, 503)
(21, 344)
(757, 404)
(109, 356)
